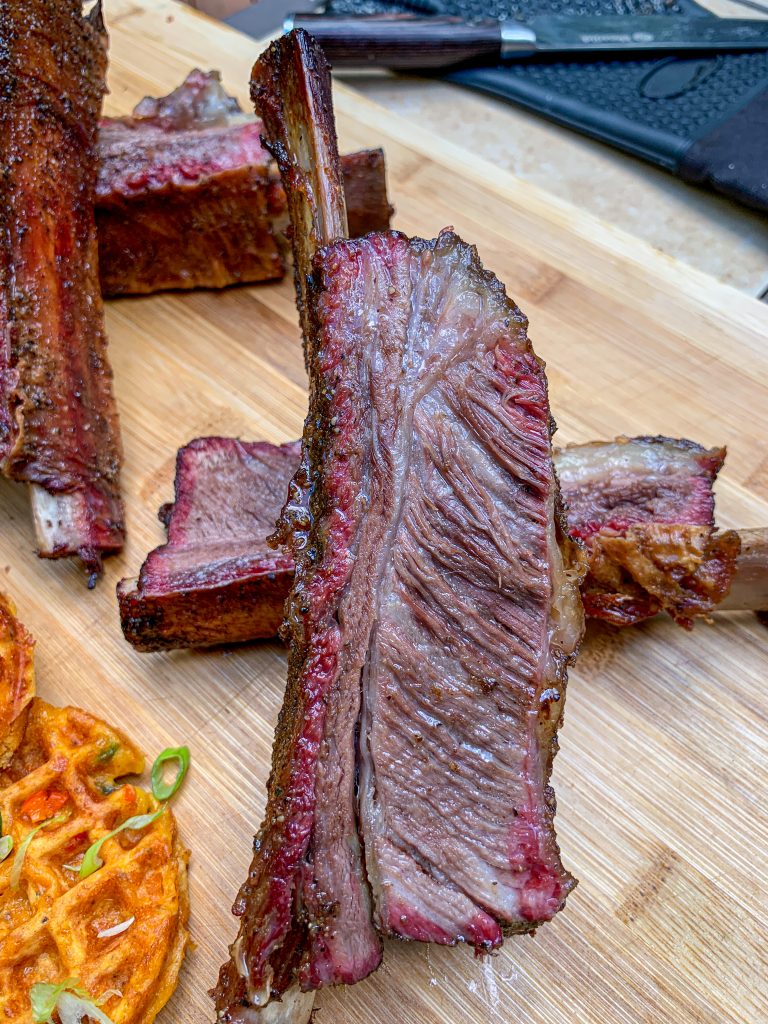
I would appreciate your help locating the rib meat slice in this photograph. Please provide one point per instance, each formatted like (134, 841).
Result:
(432, 617)
(188, 197)
(644, 508)
(216, 580)
(632, 481)
(470, 617)
(58, 421)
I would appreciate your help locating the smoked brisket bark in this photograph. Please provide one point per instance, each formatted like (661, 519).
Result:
(58, 421)
(216, 580)
(644, 508)
(433, 613)
(188, 197)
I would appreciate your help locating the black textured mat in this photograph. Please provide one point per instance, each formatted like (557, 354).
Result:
(703, 118)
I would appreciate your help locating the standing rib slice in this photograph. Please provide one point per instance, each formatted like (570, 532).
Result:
(58, 420)
(434, 609)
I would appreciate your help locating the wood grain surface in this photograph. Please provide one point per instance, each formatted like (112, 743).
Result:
(661, 778)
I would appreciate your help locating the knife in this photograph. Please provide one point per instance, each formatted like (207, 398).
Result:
(402, 42)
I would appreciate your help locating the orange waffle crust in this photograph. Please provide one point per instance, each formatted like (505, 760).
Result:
(66, 762)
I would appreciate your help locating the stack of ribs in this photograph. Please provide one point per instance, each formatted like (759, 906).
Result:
(58, 421)
(434, 609)
(643, 507)
(187, 196)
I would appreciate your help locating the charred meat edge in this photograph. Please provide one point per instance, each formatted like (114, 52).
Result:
(290, 86)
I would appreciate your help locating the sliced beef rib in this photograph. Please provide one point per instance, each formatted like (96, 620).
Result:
(433, 612)
(644, 508)
(623, 498)
(187, 196)
(58, 419)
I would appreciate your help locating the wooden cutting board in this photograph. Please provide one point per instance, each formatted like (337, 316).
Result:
(662, 775)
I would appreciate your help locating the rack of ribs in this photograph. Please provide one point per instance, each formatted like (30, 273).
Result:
(58, 420)
(434, 609)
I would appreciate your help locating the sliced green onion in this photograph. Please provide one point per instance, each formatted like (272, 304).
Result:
(44, 997)
(92, 861)
(6, 842)
(75, 1009)
(164, 790)
(69, 999)
(21, 853)
(108, 752)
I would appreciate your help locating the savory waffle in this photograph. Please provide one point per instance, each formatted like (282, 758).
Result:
(17, 679)
(122, 930)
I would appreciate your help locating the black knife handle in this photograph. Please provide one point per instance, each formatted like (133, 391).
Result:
(401, 42)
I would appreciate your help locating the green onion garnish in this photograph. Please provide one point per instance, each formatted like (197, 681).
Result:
(44, 997)
(92, 861)
(108, 752)
(21, 853)
(163, 790)
(69, 998)
(6, 843)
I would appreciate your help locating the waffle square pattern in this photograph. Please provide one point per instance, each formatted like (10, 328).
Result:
(122, 930)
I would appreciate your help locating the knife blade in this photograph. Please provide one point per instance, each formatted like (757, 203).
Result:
(402, 42)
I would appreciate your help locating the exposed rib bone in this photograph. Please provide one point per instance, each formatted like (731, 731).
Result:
(749, 589)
